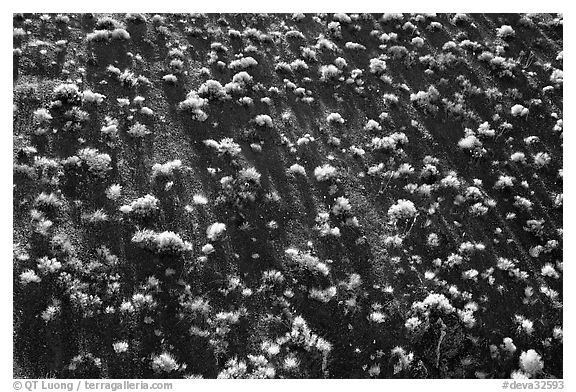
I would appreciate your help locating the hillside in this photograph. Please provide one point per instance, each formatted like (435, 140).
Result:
(283, 196)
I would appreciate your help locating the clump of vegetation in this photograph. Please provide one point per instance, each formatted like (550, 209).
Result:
(325, 172)
(505, 32)
(193, 104)
(166, 170)
(93, 161)
(213, 91)
(66, 94)
(403, 209)
(263, 120)
(165, 243)
(143, 207)
(138, 130)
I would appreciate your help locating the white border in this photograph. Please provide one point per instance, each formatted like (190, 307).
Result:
(293, 6)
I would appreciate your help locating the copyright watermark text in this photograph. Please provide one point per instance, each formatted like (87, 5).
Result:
(536, 384)
(86, 385)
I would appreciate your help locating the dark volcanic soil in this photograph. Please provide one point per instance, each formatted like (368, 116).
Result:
(430, 291)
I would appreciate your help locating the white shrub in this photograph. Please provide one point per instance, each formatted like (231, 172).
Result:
(142, 207)
(208, 249)
(392, 17)
(243, 63)
(120, 347)
(242, 79)
(42, 116)
(335, 118)
(518, 157)
(111, 127)
(418, 42)
(469, 142)
(434, 301)
(343, 18)
(504, 182)
(170, 78)
(308, 261)
(478, 209)
(298, 64)
(384, 143)
(372, 125)
(167, 242)
(120, 35)
(225, 146)
(557, 76)
(307, 138)
(388, 37)
(519, 111)
(518, 375)
(323, 295)
(329, 72)
(505, 32)
(122, 102)
(412, 323)
(309, 54)
(354, 46)
(295, 34)
(325, 172)
(50, 313)
(549, 270)
(484, 129)
(199, 200)
(215, 231)
(450, 181)
(403, 359)
(523, 203)
(341, 206)
(48, 200)
(98, 163)
(531, 362)
(377, 66)
(542, 159)
(296, 169)
(467, 317)
(524, 325)
(357, 151)
(323, 225)
(88, 96)
(393, 241)
(433, 240)
(470, 274)
(403, 209)
(213, 90)
(377, 317)
(114, 191)
(508, 345)
(558, 333)
(194, 104)
(138, 130)
(426, 99)
(250, 174)
(146, 111)
(29, 276)
(324, 43)
(164, 362)
(166, 170)
(67, 93)
(98, 36)
(450, 45)
(263, 120)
